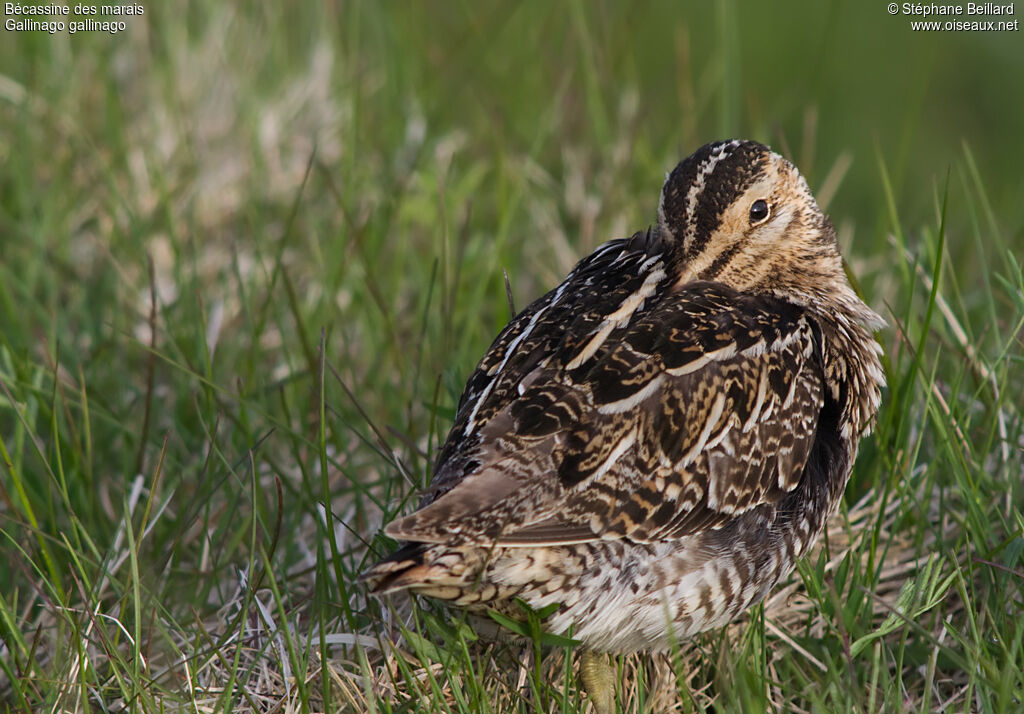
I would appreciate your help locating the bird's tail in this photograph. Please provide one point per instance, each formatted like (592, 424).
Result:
(425, 568)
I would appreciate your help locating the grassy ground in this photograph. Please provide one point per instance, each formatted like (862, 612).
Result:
(248, 255)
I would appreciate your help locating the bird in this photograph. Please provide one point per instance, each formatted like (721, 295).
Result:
(653, 444)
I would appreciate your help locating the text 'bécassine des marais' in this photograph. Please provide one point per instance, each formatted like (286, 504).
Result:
(12, 8)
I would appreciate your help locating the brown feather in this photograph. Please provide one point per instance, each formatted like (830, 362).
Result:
(654, 442)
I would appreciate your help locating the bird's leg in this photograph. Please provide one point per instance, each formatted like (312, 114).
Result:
(599, 681)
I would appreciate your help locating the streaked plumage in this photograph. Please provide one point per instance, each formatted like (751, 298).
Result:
(655, 442)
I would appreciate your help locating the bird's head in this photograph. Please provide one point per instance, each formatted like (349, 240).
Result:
(739, 214)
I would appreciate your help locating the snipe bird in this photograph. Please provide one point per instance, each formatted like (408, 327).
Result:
(655, 442)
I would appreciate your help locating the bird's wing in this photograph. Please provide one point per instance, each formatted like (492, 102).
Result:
(615, 407)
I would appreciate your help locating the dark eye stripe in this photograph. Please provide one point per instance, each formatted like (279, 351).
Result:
(712, 271)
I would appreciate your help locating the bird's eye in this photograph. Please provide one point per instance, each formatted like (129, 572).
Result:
(759, 211)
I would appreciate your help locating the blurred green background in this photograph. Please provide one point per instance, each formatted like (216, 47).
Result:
(223, 104)
(186, 204)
